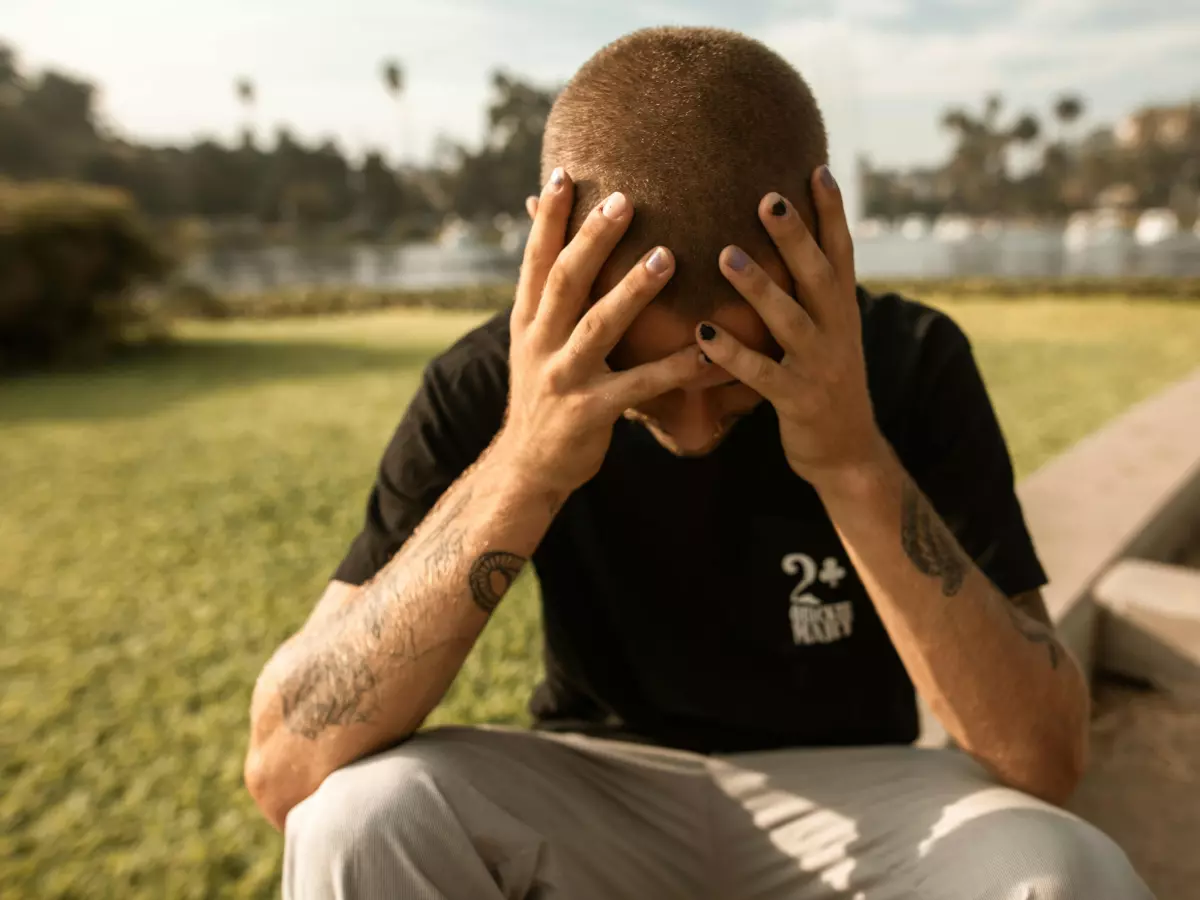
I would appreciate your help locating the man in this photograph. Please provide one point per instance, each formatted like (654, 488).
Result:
(762, 504)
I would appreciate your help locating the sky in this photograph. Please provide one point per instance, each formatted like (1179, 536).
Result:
(883, 70)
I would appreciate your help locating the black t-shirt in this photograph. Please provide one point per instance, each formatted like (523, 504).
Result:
(708, 603)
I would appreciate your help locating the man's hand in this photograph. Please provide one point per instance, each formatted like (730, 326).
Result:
(819, 388)
(564, 399)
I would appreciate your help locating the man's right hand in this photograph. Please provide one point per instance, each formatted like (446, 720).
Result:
(564, 399)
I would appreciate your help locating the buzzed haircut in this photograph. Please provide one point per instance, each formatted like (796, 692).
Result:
(694, 125)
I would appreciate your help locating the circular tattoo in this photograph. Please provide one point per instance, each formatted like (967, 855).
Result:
(491, 575)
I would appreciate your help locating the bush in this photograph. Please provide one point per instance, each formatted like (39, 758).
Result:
(1156, 287)
(193, 300)
(71, 260)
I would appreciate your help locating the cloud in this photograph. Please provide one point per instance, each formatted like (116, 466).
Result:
(1037, 46)
(167, 70)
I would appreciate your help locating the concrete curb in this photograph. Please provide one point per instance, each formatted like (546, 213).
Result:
(1150, 628)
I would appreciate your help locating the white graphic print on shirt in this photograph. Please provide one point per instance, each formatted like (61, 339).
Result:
(813, 620)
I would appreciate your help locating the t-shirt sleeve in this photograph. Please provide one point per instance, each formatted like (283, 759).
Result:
(450, 421)
(962, 463)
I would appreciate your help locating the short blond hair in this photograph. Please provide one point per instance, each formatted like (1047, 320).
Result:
(694, 125)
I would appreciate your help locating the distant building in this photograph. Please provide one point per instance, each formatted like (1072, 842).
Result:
(1166, 126)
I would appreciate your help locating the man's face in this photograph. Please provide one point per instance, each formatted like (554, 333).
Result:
(694, 419)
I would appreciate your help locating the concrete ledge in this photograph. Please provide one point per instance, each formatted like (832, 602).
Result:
(1150, 622)
(1132, 488)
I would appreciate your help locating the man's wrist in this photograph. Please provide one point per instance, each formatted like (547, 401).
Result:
(877, 470)
(525, 486)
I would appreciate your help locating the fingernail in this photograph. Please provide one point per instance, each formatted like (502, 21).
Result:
(615, 205)
(557, 177)
(659, 261)
(779, 206)
(704, 356)
(707, 332)
(827, 178)
(737, 259)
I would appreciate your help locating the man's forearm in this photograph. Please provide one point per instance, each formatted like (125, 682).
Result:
(365, 672)
(1005, 688)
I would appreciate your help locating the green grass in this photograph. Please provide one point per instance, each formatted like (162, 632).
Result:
(168, 521)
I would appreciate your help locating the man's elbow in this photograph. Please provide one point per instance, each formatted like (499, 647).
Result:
(271, 772)
(1055, 772)
(275, 787)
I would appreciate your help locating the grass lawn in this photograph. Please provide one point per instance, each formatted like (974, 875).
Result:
(167, 521)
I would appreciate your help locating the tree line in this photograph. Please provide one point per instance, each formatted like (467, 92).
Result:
(51, 131)
(1150, 160)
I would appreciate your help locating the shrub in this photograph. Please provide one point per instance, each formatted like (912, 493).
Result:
(190, 299)
(71, 260)
(193, 300)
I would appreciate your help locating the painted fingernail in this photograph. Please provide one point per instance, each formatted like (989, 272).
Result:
(557, 177)
(704, 356)
(707, 332)
(659, 261)
(615, 205)
(779, 206)
(737, 259)
(827, 178)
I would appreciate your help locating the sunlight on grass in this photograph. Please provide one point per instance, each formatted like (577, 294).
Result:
(169, 520)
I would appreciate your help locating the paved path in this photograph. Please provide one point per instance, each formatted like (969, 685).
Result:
(1143, 788)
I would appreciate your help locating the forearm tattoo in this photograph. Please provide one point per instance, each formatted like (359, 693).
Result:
(324, 693)
(492, 575)
(928, 542)
(338, 684)
(1030, 617)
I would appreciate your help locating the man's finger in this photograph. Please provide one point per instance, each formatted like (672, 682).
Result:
(569, 283)
(647, 381)
(546, 239)
(832, 225)
(752, 369)
(606, 322)
(531, 205)
(815, 278)
(788, 322)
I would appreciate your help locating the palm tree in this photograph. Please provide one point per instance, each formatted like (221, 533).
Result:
(1026, 129)
(1067, 109)
(246, 95)
(393, 82)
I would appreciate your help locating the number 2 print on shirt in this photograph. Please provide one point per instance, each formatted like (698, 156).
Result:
(813, 620)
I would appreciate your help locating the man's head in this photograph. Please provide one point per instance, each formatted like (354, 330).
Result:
(694, 126)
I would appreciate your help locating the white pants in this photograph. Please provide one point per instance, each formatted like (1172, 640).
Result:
(486, 813)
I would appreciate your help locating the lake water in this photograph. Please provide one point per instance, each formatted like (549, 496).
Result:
(1027, 252)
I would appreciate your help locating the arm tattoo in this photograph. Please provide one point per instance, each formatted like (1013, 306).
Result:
(491, 575)
(339, 683)
(325, 693)
(441, 559)
(1030, 617)
(928, 542)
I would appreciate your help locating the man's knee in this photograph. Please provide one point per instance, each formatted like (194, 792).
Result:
(357, 817)
(1058, 857)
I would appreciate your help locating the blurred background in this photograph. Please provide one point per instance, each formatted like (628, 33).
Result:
(232, 235)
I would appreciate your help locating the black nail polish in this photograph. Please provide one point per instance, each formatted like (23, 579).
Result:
(827, 178)
(779, 209)
(707, 332)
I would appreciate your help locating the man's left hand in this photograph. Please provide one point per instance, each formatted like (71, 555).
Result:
(819, 388)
